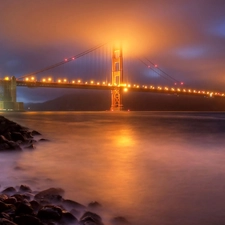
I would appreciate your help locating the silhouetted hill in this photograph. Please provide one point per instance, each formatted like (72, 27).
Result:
(101, 101)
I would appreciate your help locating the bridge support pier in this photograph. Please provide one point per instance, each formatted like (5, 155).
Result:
(117, 79)
(8, 96)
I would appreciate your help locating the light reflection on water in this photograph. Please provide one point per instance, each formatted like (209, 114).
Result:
(153, 168)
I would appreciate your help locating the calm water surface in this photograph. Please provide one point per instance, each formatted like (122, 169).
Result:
(150, 167)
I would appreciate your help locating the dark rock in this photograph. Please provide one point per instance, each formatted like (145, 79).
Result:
(43, 139)
(27, 134)
(50, 212)
(30, 146)
(69, 204)
(4, 146)
(9, 190)
(119, 220)
(8, 136)
(21, 197)
(3, 139)
(75, 212)
(10, 200)
(28, 220)
(68, 217)
(13, 145)
(23, 208)
(24, 188)
(3, 206)
(94, 205)
(17, 136)
(5, 215)
(4, 221)
(35, 205)
(91, 218)
(3, 197)
(34, 132)
(49, 193)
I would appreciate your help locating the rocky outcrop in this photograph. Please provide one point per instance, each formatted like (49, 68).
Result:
(22, 206)
(13, 136)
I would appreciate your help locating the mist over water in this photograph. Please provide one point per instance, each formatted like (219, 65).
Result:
(150, 167)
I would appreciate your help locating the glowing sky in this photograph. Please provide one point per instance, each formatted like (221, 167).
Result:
(185, 37)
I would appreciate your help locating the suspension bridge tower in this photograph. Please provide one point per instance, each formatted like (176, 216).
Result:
(8, 95)
(117, 79)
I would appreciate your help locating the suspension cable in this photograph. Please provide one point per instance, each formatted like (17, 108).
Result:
(64, 61)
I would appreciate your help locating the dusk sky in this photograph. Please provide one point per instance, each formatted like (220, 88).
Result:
(186, 38)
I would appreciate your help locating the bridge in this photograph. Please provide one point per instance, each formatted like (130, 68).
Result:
(117, 85)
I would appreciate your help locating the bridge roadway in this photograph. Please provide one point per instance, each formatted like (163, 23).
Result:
(125, 88)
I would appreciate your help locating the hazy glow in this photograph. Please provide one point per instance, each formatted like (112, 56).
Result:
(184, 38)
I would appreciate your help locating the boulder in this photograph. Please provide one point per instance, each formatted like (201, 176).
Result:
(69, 204)
(68, 218)
(4, 221)
(9, 190)
(10, 200)
(94, 205)
(3, 197)
(34, 132)
(6, 216)
(50, 212)
(49, 194)
(91, 218)
(24, 188)
(21, 197)
(35, 205)
(28, 220)
(17, 136)
(3, 206)
(23, 208)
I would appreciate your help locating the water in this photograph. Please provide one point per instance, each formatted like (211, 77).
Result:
(150, 167)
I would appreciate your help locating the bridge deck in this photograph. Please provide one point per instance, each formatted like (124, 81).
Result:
(151, 89)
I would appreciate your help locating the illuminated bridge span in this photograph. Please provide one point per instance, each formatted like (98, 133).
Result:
(122, 87)
(117, 85)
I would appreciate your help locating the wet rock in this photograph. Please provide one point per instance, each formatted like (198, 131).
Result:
(94, 205)
(4, 221)
(5, 215)
(75, 212)
(17, 136)
(10, 200)
(50, 194)
(13, 145)
(35, 205)
(3, 197)
(21, 197)
(50, 212)
(12, 135)
(69, 204)
(68, 218)
(34, 132)
(24, 188)
(23, 208)
(119, 220)
(43, 139)
(3, 206)
(9, 190)
(30, 146)
(91, 218)
(28, 220)
(4, 146)
(3, 139)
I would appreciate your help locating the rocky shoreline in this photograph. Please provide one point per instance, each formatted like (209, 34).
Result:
(16, 137)
(22, 206)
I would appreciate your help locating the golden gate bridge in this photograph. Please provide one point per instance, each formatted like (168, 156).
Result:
(115, 83)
